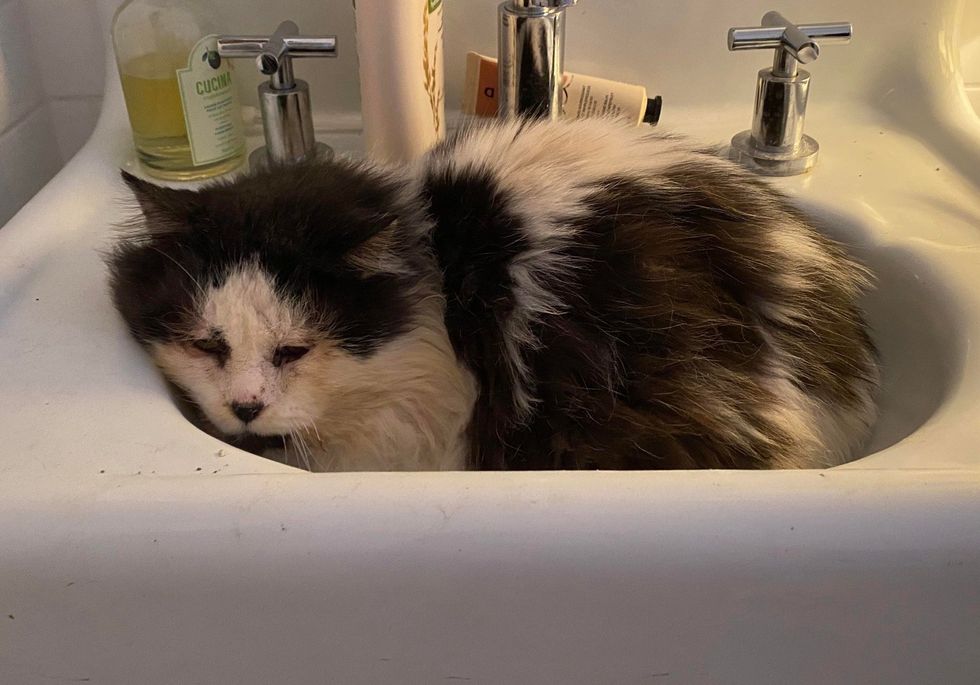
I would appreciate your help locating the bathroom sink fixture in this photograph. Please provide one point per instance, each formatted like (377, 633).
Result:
(134, 548)
(776, 144)
(287, 117)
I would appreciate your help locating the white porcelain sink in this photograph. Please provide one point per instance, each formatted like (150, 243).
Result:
(920, 340)
(135, 548)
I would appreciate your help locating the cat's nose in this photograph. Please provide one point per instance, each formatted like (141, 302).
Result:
(247, 412)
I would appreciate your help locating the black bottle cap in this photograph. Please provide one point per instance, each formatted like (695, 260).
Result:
(652, 114)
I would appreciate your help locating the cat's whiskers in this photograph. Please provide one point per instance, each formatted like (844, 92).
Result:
(319, 442)
(294, 440)
(303, 449)
(307, 431)
(296, 446)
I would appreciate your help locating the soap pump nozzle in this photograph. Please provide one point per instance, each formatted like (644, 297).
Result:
(287, 116)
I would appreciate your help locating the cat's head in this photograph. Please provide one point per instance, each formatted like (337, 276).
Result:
(269, 299)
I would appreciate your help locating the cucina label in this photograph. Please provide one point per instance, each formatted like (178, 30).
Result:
(213, 84)
(210, 101)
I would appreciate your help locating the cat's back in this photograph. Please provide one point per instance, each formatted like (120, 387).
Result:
(628, 300)
(555, 162)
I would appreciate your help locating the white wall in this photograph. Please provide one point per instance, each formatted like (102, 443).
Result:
(51, 82)
(69, 51)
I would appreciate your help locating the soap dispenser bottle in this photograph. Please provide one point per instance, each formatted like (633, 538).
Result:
(180, 94)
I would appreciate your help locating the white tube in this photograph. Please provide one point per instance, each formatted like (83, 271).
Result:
(591, 96)
(399, 50)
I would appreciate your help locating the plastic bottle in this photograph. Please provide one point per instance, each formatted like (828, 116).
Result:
(399, 52)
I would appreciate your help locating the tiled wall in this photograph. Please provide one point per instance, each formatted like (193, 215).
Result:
(51, 80)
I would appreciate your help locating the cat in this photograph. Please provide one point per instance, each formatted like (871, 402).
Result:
(527, 295)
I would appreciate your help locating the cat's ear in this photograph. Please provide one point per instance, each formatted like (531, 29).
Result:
(170, 207)
(379, 253)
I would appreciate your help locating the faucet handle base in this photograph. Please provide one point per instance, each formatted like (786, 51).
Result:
(259, 159)
(774, 161)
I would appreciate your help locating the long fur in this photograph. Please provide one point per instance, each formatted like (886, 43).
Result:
(528, 295)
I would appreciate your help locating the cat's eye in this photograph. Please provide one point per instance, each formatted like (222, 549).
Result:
(287, 354)
(214, 346)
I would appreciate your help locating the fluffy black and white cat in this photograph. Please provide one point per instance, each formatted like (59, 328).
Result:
(528, 295)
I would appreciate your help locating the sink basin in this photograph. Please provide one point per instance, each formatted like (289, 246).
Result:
(136, 548)
(921, 344)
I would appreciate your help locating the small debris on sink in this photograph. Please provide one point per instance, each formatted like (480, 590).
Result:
(219, 454)
(198, 469)
(10, 616)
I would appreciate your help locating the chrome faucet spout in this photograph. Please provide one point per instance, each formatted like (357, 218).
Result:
(531, 54)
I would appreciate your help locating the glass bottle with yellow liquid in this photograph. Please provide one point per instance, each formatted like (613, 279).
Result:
(180, 94)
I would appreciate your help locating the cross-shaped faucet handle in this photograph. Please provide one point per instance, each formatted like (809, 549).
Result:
(273, 54)
(287, 115)
(794, 44)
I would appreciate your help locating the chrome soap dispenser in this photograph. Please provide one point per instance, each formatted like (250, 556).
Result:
(287, 116)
